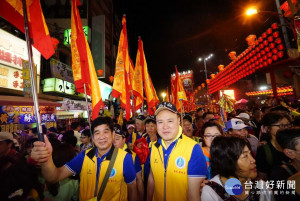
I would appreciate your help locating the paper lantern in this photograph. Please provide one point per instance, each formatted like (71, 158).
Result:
(232, 55)
(251, 39)
(269, 31)
(212, 76)
(199, 88)
(274, 26)
(100, 72)
(111, 78)
(203, 85)
(207, 81)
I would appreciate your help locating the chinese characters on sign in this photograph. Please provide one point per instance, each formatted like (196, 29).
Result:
(61, 71)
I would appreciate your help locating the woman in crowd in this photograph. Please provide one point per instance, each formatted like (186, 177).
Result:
(85, 139)
(209, 131)
(231, 159)
(270, 154)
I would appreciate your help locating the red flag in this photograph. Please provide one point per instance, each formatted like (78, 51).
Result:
(121, 86)
(179, 89)
(12, 11)
(82, 62)
(151, 96)
(168, 96)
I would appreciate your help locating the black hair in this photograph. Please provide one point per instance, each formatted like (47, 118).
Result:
(280, 108)
(103, 120)
(296, 121)
(62, 154)
(68, 133)
(207, 125)
(53, 129)
(16, 176)
(72, 140)
(207, 113)
(272, 118)
(199, 109)
(86, 132)
(225, 152)
(147, 121)
(74, 125)
(29, 142)
(287, 138)
(35, 131)
(265, 108)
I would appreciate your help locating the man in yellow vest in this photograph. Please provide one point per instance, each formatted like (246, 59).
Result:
(92, 165)
(178, 166)
(119, 142)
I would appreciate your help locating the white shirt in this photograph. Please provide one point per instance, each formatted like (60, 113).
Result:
(208, 194)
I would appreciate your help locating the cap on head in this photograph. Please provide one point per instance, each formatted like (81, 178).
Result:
(141, 117)
(188, 117)
(236, 124)
(150, 118)
(119, 131)
(5, 136)
(244, 115)
(166, 106)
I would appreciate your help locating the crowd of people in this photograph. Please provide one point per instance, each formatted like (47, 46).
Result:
(158, 157)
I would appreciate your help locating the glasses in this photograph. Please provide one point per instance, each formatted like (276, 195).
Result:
(283, 125)
(210, 136)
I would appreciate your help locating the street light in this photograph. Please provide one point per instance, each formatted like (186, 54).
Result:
(163, 94)
(205, 70)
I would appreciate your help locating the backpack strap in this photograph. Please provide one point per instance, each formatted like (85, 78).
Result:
(220, 191)
(269, 156)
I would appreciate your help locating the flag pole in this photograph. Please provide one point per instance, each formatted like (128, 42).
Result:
(142, 109)
(32, 77)
(181, 113)
(133, 111)
(87, 109)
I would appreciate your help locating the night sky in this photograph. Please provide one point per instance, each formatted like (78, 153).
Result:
(178, 32)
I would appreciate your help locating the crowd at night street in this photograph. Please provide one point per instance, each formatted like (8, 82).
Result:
(183, 100)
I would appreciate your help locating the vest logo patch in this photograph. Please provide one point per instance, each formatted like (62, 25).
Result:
(89, 171)
(180, 162)
(113, 173)
(155, 160)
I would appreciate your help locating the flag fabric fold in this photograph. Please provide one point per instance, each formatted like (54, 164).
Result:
(12, 11)
(168, 96)
(121, 85)
(82, 62)
(150, 93)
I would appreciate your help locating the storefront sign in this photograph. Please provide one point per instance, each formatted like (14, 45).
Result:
(12, 78)
(67, 35)
(68, 104)
(58, 85)
(61, 71)
(14, 49)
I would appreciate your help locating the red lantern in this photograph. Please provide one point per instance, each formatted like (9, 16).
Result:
(274, 26)
(100, 72)
(265, 42)
(207, 81)
(260, 60)
(257, 49)
(111, 78)
(265, 57)
(202, 85)
(267, 49)
(280, 54)
(269, 31)
(270, 61)
(261, 46)
(258, 55)
(269, 54)
(260, 39)
(264, 35)
(278, 41)
(256, 63)
(272, 45)
(199, 87)
(265, 63)
(280, 47)
(263, 52)
(212, 76)
(270, 39)
(256, 42)
(275, 57)
(275, 51)
(276, 34)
